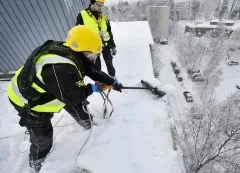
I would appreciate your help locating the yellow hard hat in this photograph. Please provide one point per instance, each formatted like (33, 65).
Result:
(102, 1)
(93, 1)
(83, 38)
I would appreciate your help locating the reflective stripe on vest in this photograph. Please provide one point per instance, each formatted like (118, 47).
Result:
(95, 24)
(54, 59)
(52, 106)
(14, 93)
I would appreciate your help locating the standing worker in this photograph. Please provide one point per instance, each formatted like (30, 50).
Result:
(53, 78)
(93, 17)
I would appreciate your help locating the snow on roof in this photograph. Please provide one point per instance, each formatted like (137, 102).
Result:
(208, 26)
(223, 21)
(202, 26)
(179, 1)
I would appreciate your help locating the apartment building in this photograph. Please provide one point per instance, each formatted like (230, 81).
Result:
(183, 9)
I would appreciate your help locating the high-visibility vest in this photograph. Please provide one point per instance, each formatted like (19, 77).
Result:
(52, 106)
(100, 25)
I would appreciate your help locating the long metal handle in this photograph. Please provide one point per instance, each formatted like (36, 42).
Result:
(133, 88)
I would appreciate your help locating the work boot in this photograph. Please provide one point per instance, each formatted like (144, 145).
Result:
(87, 124)
(35, 165)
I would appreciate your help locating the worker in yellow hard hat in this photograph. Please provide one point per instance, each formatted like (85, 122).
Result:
(93, 17)
(52, 79)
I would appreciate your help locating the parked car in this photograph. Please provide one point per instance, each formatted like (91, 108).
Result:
(176, 70)
(179, 78)
(193, 75)
(188, 96)
(238, 86)
(197, 79)
(173, 64)
(232, 63)
(191, 71)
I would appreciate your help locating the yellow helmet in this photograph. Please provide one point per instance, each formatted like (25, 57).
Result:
(83, 38)
(93, 1)
(102, 1)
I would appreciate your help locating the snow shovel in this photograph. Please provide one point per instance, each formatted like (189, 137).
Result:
(148, 86)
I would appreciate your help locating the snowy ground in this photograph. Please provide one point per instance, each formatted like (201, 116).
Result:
(137, 138)
(231, 78)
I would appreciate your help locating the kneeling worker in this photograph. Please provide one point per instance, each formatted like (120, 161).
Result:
(53, 78)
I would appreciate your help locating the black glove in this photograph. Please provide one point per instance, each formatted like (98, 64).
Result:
(117, 86)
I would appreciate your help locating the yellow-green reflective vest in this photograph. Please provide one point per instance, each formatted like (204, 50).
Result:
(100, 25)
(53, 106)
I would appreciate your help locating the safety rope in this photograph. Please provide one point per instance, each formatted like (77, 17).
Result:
(65, 125)
(55, 125)
(105, 101)
(104, 105)
(90, 133)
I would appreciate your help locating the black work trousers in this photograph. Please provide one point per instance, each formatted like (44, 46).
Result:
(41, 139)
(107, 56)
(40, 130)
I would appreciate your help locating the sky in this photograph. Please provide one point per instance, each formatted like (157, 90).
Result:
(136, 139)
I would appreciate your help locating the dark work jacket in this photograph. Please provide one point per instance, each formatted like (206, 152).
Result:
(111, 43)
(60, 80)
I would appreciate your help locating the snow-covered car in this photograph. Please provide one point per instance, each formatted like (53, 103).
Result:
(230, 63)
(238, 87)
(232, 49)
(173, 64)
(188, 96)
(193, 75)
(197, 79)
(179, 78)
(164, 41)
(176, 70)
(191, 71)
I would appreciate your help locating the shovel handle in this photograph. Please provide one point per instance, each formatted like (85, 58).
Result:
(133, 88)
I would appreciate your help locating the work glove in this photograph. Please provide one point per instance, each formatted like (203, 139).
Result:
(100, 87)
(95, 88)
(114, 51)
(117, 86)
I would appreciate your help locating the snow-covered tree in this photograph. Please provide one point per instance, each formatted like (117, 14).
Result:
(210, 139)
(224, 10)
(209, 9)
(195, 8)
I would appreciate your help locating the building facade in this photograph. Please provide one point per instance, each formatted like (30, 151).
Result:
(183, 9)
